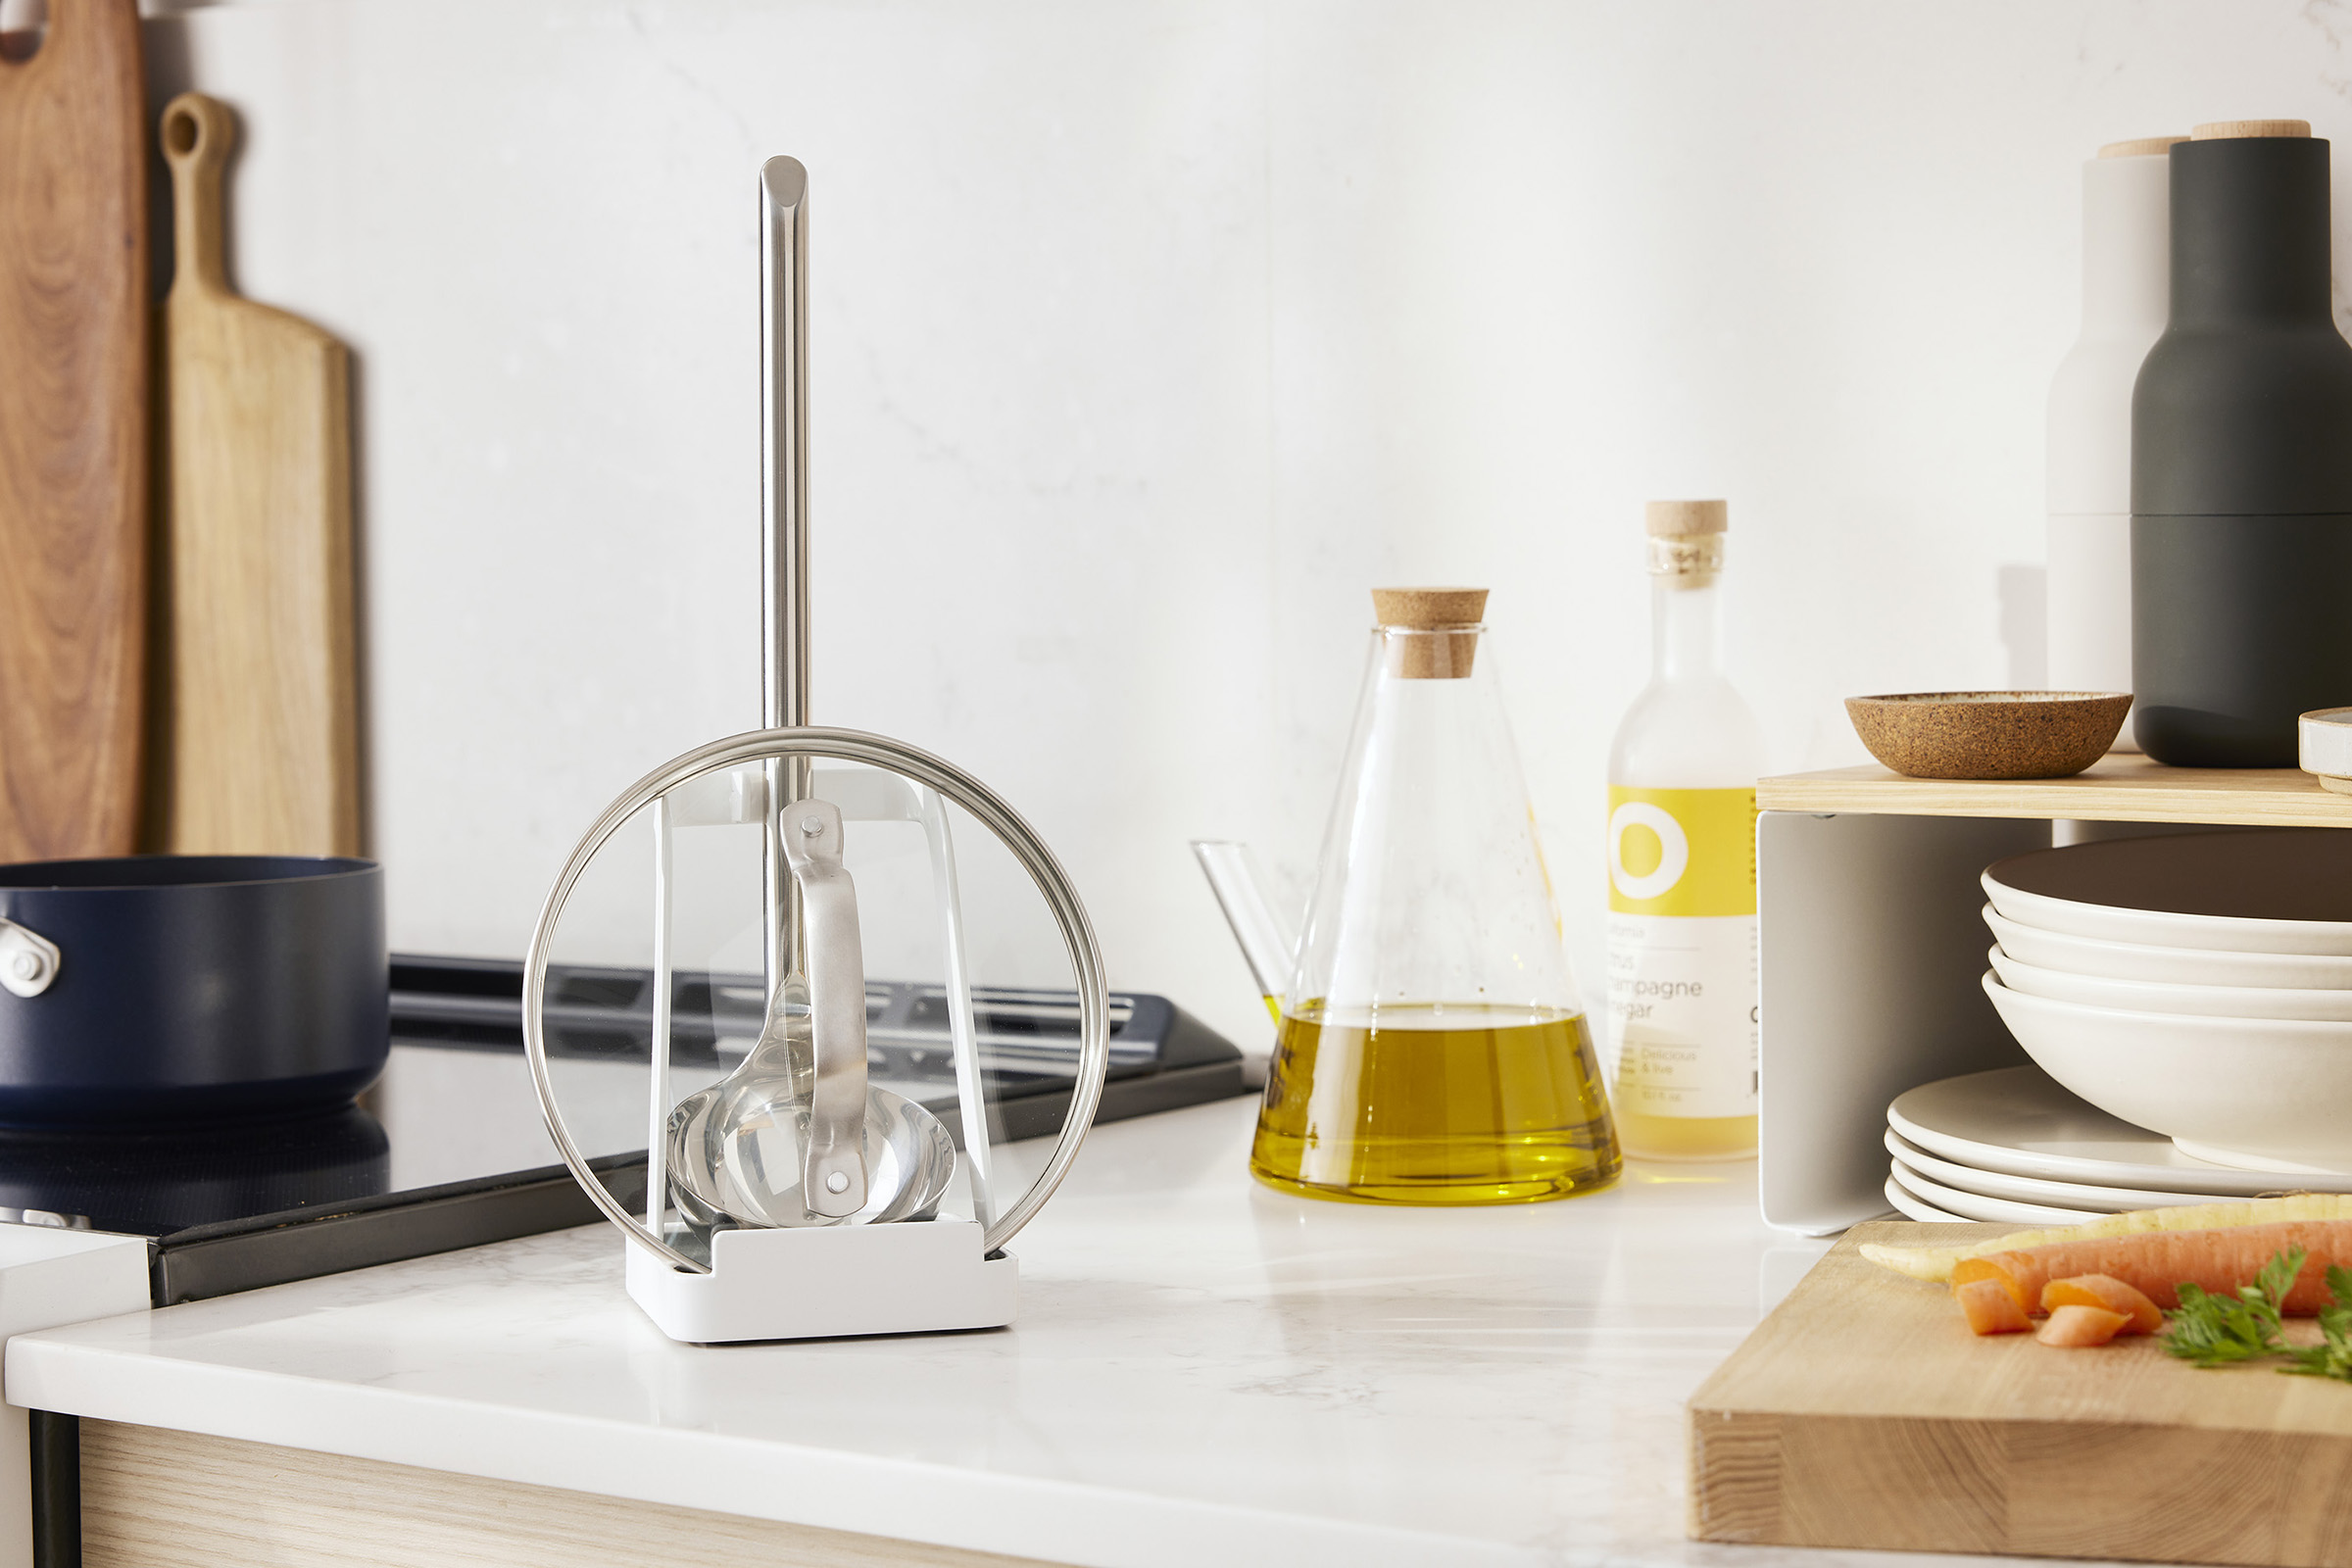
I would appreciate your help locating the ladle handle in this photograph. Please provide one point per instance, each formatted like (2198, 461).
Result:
(783, 520)
(784, 442)
(833, 1173)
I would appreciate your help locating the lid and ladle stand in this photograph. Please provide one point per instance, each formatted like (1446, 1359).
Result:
(805, 1198)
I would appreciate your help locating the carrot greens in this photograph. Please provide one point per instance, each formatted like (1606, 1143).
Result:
(2222, 1331)
(2331, 1357)
(2213, 1329)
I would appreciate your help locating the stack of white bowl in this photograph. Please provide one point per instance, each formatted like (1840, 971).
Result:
(2196, 985)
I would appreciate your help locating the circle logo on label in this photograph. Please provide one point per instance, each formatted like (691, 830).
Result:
(1674, 850)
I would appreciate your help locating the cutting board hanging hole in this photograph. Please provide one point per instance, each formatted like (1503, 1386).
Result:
(198, 134)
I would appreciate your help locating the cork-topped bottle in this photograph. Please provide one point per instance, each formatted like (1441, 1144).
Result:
(1433, 1048)
(1682, 867)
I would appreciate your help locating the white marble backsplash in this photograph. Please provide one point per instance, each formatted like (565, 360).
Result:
(1147, 337)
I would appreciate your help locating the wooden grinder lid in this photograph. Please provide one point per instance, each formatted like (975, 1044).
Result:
(2248, 129)
(2141, 147)
(1416, 611)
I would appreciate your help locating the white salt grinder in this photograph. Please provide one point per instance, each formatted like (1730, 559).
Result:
(2125, 284)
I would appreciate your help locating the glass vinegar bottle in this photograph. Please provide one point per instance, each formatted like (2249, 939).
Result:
(1682, 854)
(1432, 1045)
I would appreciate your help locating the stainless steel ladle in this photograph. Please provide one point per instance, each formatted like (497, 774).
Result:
(795, 1134)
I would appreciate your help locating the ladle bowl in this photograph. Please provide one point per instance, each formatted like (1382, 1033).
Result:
(737, 1154)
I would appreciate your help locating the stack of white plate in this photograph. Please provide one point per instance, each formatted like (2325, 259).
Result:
(2195, 985)
(2012, 1146)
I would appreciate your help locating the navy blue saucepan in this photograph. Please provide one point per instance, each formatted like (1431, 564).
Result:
(189, 988)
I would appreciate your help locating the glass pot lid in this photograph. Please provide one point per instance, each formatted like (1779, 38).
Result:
(739, 1017)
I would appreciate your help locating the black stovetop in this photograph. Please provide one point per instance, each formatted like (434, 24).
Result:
(448, 1149)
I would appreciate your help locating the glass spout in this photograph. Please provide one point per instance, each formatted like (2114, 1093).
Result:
(1268, 944)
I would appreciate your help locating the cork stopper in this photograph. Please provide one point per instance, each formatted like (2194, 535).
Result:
(1683, 519)
(2247, 130)
(1430, 633)
(1428, 608)
(1686, 540)
(2141, 147)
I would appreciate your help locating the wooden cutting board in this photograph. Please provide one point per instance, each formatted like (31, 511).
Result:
(258, 741)
(73, 442)
(1863, 1414)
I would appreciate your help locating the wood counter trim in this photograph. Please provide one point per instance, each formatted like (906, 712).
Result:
(2118, 788)
(157, 1498)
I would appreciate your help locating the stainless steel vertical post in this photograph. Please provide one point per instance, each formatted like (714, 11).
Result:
(784, 523)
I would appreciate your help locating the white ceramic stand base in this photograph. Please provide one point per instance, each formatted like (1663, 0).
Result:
(827, 1282)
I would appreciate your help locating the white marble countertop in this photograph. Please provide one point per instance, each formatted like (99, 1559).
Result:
(1203, 1371)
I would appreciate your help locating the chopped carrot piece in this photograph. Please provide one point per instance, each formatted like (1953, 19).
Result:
(1990, 1309)
(2099, 1290)
(2079, 1327)
(2155, 1262)
(1991, 1271)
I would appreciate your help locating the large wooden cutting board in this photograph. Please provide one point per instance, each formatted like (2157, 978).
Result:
(1863, 1414)
(257, 743)
(73, 442)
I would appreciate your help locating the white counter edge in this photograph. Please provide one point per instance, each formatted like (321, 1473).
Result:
(49, 1277)
(942, 1506)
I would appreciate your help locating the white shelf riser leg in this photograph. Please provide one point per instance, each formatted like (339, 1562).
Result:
(1870, 949)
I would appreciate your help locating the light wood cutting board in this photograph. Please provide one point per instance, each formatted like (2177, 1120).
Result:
(1863, 1414)
(73, 435)
(257, 741)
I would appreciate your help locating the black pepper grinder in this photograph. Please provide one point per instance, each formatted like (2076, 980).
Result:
(2241, 460)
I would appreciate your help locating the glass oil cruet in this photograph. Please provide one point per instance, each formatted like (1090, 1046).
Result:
(1432, 1045)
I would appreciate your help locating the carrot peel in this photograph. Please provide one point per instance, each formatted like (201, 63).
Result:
(1991, 1308)
(2104, 1290)
(2077, 1327)
(1991, 1271)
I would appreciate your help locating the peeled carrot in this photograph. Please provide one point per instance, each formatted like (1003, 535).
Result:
(2113, 1294)
(1990, 1309)
(2077, 1327)
(2154, 1263)
(1935, 1263)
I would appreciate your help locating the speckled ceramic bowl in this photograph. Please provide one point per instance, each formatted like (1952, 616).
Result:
(1989, 734)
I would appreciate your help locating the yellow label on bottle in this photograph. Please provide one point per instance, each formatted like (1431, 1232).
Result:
(1681, 852)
